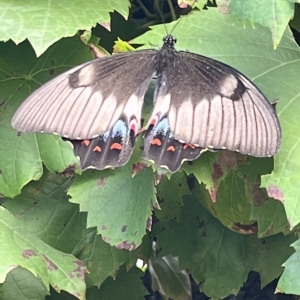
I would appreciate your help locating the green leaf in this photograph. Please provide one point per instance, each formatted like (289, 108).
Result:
(23, 285)
(126, 286)
(231, 206)
(217, 257)
(44, 210)
(21, 157)
(168, 279)
(271, 218)
(169, 193)
(273, 14)
(117, 203)
(62, 271)
(289, 281)
(104, 261)
(53, 20)
(295, 22)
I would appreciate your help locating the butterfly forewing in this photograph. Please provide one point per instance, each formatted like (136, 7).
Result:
(87, 101)
(211, 105)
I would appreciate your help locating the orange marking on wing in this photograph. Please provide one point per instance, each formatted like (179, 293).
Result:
(86, 142)
(171, 148)
(188, 145)
(153, 121)
(97, 149)
(156, 142)
(116, 146)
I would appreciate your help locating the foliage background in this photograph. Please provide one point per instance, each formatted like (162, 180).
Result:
(73, 231)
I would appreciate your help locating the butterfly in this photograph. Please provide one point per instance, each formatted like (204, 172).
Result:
(200, 104)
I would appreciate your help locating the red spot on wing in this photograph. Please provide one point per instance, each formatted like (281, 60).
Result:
(153, 121)
(86, 142)
(185, 146)
(133, 125)
(171, 148)
(97, 149)
(156, 142)
(116, 146)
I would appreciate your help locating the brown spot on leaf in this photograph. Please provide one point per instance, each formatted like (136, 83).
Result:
(276, 193)
(137, 167)
(218, 173)
(245, 229)
(269, 232)
(213, 193)
(79, 271)
(50, 264)
(229, 159)
(126, 245)
(106, 239)
(124, 228)
(201, 224)
(149, 224)
(259, 196)
(103, 227)
(158, 178)
(28, 253)
(76, 295)
(69, 172)
(78, 262)
(101, 182)
(106, 25)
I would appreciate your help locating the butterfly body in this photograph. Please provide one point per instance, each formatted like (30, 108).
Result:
(199, 104)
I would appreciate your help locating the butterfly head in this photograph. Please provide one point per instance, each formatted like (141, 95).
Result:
(169, 41)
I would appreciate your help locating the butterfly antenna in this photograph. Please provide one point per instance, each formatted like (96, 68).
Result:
(182, 16)
(172, 13)
(161, 15)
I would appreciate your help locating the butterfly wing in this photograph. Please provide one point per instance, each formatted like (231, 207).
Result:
(101, 99)
(112, 149)
(211, 105)
(161, 147)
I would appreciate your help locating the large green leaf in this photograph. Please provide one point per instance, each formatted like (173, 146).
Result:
(23, 285)
(43, 23)
(43, 209)
(118, 204)
(273, 14)
(126, 286)
(289, 281)
(217, 257)
(21, 157)
(62, 271)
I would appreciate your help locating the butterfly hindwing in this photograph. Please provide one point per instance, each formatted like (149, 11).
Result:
(162, 148)
(112, 149)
